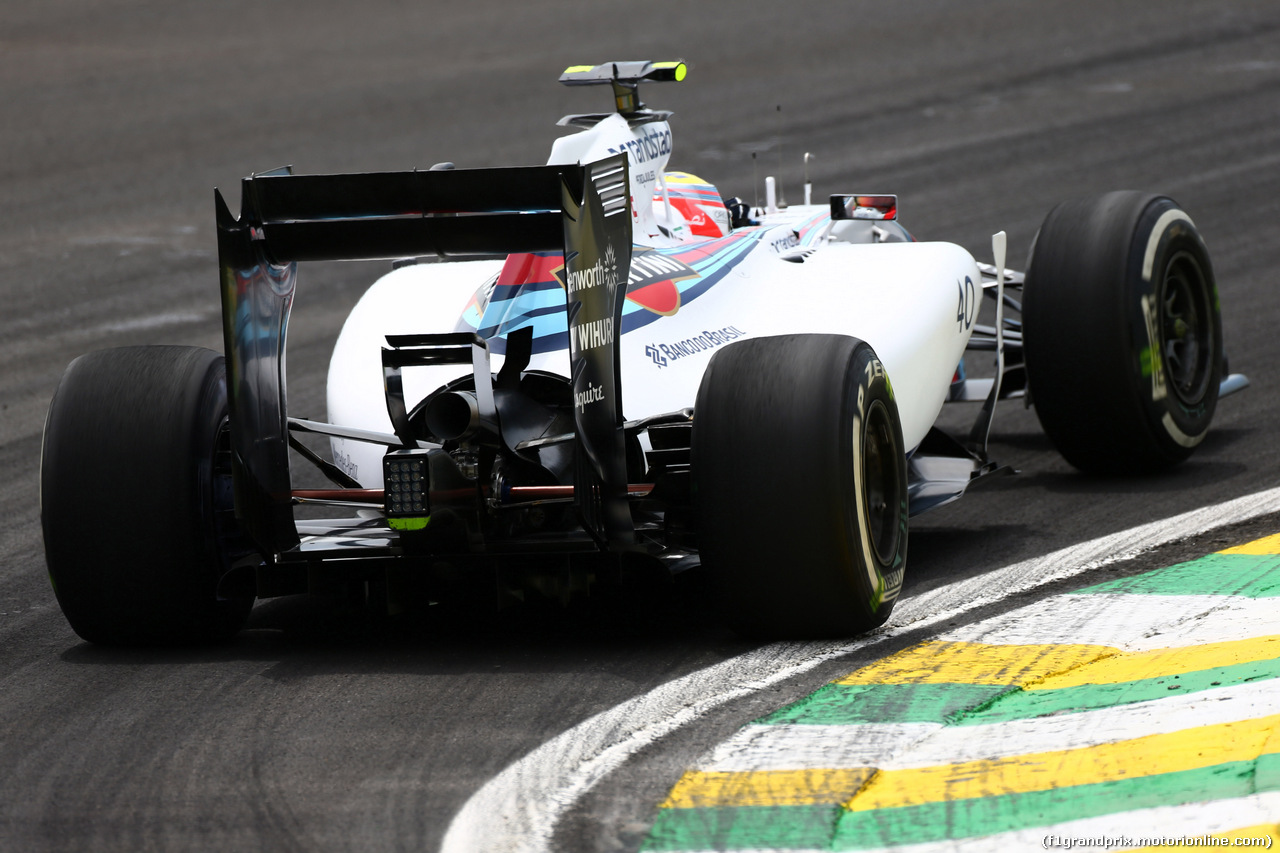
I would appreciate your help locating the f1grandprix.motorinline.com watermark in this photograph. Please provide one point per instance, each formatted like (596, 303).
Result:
(1115, 842)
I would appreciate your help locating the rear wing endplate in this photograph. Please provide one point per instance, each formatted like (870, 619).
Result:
(583, 211)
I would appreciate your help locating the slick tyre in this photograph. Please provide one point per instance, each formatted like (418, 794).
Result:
(800, 486)
(1122, 333)
(135, 497)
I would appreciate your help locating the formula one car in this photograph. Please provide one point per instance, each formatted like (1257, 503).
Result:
(602, 375)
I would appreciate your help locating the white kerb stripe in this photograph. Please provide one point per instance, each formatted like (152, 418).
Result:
(1127, 621)
(796, 746)
(906, 746)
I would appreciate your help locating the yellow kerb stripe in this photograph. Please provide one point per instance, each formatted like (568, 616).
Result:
(1051, 667)
(1268, 545)
(708, 789)
(1132, 666)
(1188, 749)
(976, 663)
(863, 788)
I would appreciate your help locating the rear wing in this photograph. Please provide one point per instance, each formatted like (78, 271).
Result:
(583, 211)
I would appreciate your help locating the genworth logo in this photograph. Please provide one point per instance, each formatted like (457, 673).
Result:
(603, 272)
(610, 268)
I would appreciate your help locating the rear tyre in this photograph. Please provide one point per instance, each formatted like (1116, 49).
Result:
(800, 486)
(1122, 332)
(135, 497)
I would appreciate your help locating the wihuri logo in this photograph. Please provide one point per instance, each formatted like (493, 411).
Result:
(593, 334)
(603, 272)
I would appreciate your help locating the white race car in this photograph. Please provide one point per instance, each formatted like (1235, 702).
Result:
(582, 369)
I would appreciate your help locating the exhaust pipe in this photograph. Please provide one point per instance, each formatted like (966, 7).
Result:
(453, 415)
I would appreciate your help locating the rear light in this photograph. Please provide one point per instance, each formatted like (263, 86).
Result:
(407, 489)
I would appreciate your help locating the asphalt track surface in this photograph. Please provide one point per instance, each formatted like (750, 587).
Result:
(319, 729)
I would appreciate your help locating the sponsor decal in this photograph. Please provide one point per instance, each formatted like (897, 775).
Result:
(651, 282)
(592, 394)
(663, 354)
(345, 465)
(592, 334)
(648, 267)
(782, 244)
(603, 272)
(642, 149)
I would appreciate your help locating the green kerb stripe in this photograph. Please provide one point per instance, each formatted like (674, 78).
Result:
(1007, 813)
(811, 826)
(979, 704)
(835, 704)
(738, 827)
(1024, 704)
(1246, 575)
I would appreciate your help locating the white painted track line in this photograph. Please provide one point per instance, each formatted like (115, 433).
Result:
(517, 810)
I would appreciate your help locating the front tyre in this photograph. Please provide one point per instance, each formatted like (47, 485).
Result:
(800, 486)
(1122, 332)
(135, 497)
